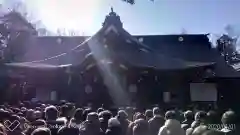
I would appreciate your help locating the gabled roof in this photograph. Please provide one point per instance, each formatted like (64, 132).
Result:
(113, 42)
(190, 49)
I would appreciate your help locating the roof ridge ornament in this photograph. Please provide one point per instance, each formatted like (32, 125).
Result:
(112, 9)
(113, 19)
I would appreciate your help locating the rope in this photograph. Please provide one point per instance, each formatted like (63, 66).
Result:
(73, 49)
(62, 54)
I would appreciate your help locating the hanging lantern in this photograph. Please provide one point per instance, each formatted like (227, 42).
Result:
(140, 40)
(180, 39)
(59, 40)
(53, 95)
(88, 89)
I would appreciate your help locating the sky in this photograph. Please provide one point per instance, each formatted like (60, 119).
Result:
(145, 17)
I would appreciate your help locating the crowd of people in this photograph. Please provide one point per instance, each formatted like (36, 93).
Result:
(66, 118)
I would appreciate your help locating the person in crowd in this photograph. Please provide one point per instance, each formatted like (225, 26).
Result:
(63, 114)
(77, 118)
(213, 117)
(100, 110)
(139, 115)
(86, 112)
(229, 120)
(171, 126)
(200, 130)
(148, 114)
(37, 115)
(114, 127)
(29, 115)
(92, 125)
(42, 106)
(188, 119)
(103, 118)
(71, 110)
(41, 131)
(3, 130)
(23, 121)
(130, 112)
(156, 121)
(14, 123)
(51, 114)
(200, 118)
(4, 115)
(136, 117)
(30, 127)
(68, 131)
(122, 117)
(140, 127)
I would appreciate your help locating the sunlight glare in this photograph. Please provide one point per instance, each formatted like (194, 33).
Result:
(67, 14)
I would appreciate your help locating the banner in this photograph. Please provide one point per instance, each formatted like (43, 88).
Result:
(88, 89)
(203, 92)
(53, 96)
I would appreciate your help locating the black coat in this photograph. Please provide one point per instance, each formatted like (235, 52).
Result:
(114, 131)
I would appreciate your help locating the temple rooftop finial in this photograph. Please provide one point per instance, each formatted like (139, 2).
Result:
(112, 13)
(112, 9)
(112, 18)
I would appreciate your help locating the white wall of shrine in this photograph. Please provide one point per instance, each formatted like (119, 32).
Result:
(203, 92)
(45, 95)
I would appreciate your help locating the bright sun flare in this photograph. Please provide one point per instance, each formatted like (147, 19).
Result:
(67, 14)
